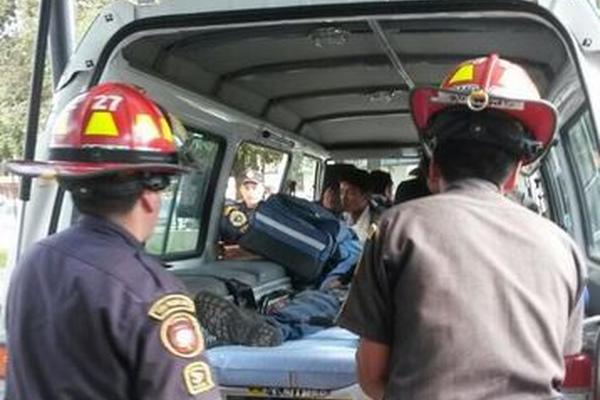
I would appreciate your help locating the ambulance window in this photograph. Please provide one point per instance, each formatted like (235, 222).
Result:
(530, 193)
(302, 179)
(182, 215)
(557, 189)
(257, 173)
(582, 145)
(263, 165)
(399, 168)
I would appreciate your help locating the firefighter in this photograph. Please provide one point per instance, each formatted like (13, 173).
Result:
(237, 214)
(465, 294)
(90, 314)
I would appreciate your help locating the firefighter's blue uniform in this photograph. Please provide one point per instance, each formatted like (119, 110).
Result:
(92, 316)
(234, 221)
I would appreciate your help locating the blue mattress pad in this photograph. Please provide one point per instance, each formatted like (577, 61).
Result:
(324, 360)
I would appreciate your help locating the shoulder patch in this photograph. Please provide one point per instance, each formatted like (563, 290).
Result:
(197, 378)
(169, 304)
(180, 334)
(237, 218)
(180, 331)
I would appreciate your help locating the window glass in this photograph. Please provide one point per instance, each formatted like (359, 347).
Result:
(583, 148)
(257, 173)
(557, 188)
(302, 178)
(182, 206)
(265, 164)
(399, 168)
(530, 193)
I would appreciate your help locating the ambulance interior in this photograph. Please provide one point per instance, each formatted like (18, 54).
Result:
(320, 90)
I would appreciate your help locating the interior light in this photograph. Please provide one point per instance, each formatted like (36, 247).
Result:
(330, 36)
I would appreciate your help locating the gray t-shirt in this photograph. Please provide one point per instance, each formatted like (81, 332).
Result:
(476, 296)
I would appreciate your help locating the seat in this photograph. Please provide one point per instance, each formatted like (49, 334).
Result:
(262, 276)
(194, 284)
(322, 361)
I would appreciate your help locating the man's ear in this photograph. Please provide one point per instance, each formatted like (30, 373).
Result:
(513, 178)
(434, 176)
(148, 201)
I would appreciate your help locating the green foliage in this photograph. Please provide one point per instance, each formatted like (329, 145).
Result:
(252, 157)
(18, 29)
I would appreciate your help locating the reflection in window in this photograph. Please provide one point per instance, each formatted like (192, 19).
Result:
(254, 163)
(257, 173)
(303, 177)
(182, 206)
(583, 148)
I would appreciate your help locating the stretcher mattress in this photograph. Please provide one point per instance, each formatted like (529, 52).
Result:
(324, 360)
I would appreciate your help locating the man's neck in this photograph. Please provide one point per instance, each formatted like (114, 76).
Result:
(357, 214)
(128, 223)
(443, 185)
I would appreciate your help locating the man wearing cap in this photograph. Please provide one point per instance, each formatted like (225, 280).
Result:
(90, 315)
(236, 214)
(465, 294)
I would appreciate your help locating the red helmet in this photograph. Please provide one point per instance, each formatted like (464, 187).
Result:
(110, 128)
(488, 83)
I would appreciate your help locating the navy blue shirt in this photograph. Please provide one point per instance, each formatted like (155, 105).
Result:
(92, 316)
(234, 221)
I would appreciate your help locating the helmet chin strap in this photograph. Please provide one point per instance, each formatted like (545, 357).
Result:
(488, 126)
(107, 187)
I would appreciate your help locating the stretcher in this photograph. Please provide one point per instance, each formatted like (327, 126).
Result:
(319, 366)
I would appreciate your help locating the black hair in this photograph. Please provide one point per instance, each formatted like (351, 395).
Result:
(357, 177)
(459, 159)
(333, 172)
(380, 181)
(485, 145)
(114, 194)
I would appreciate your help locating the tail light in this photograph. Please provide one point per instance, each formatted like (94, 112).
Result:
(3, 360)
(577, 384)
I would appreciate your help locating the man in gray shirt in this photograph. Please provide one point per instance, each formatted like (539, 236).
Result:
(465, 294)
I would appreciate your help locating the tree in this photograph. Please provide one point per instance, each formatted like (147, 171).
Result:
(18, 28)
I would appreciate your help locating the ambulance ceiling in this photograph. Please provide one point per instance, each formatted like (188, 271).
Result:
(334, 83)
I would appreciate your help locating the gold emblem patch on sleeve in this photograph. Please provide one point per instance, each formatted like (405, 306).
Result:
(238, 218)
(180, 334)
(170, 304)
(198, 378)
(179, 329)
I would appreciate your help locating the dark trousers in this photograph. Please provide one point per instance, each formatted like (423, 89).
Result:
(308, 312)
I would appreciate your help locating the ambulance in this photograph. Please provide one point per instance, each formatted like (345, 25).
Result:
(306, 84)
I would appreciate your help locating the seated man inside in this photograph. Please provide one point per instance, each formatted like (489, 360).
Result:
(330, 196)
(381, 188)
(415, 187)
(237, 213)
(359, 211)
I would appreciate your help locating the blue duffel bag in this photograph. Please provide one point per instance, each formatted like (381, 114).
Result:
(296, 233)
